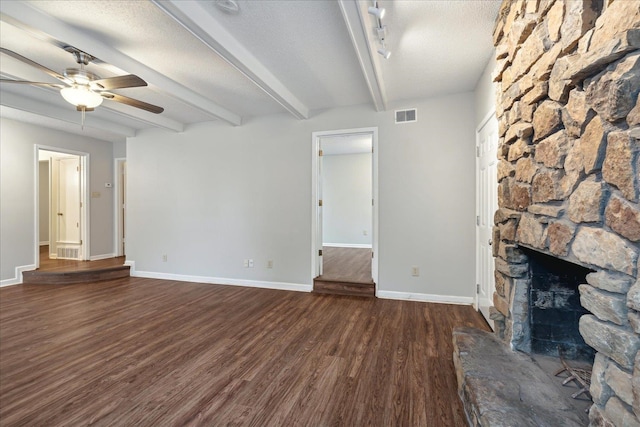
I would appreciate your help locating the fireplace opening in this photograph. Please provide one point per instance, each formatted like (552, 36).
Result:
(555, 309)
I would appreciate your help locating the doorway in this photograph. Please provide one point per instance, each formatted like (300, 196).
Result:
(345, 212)
(120, 204)
(63, 190)
(486, 205)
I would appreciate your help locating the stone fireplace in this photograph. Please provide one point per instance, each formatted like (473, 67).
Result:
(568, 77)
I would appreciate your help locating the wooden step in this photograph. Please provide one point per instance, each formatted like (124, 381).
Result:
(339, 287)
(70, 277)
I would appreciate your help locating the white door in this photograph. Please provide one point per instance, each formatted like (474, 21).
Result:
(69, 238)
(319, 214)
(487, 204)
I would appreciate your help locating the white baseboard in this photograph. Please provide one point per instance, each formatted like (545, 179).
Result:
(46, 243)
(218, 280)
(103, 256)
(18, 279)
(348, 245)
(408, 296)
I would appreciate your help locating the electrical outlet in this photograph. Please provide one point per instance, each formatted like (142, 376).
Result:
(250, 263)
(365, 232)
(415, 271)
(246, 263)
(270, 264)
(164, 258)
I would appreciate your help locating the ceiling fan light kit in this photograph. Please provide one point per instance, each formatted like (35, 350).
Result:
(84, 89)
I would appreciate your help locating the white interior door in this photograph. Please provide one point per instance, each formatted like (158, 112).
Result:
(319, 215)
(487, 203)
(69, 239)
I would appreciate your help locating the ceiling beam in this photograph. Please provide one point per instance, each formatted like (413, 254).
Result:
(196, 19)
(67, 115)
(359, 29)
(35, 21)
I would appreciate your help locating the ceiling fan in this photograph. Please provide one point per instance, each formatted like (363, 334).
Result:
(82, 88)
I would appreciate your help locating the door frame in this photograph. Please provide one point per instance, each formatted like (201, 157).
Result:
(476, 302)
(316, 238)
(118, 196)
(84, 198)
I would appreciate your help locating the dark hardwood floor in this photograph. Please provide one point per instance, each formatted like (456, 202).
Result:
(148, 352)
(47, 264)
(346, 264)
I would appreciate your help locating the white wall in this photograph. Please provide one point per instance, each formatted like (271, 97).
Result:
(346, 197)
(485, 92)
(214, 195)
(17, 191)
(44, 201)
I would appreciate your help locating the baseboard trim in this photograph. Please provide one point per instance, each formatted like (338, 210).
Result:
(103, 256)
(18, 279)
(283, 286)
(45, 243)
(408, 296)
(347, 245)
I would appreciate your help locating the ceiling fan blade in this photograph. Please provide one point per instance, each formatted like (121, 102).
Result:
(119, 82)
(132, 102)
(34, 64)
(24, 82)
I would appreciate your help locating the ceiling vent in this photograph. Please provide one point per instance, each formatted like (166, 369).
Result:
(407, 116)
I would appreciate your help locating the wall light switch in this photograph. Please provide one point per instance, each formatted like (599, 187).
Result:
(246, 263)
(415, 271)
(250, 263)
(270, 264)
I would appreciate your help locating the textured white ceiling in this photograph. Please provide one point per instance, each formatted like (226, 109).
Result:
(303, 53)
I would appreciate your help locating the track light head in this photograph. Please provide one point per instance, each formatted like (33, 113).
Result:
(378, 12)
(384, 52)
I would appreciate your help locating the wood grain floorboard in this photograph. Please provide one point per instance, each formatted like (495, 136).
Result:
(150, 352)
(64, 265)
(346, 264)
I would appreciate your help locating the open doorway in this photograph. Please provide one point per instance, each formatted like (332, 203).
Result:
(345, 179)
(62, 205)
(120, 193)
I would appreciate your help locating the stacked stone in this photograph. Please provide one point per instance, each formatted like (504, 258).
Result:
(568, 77)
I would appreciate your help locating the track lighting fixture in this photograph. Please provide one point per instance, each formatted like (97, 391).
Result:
(384, 52)
(376, 11)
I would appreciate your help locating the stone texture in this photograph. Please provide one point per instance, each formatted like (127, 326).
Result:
(597, 419)
(541, 70)
(604, 305)
(502, 401)
(511, 253)
(505, 169)
(587, 202)
(531, 232)
(604, 249)
(610, 281)
(633, 297)
(559, 86)
(620, 383)
(502, 284)
(634, 321)
(618, 17)
(560, 235)
(552, 150)
(554, 20)
(613, 341)
(635, 384)
(621, 165)
(593, 144)
(513, 195)
(599, 390)
(531, 50)
(580, 16)
(546, 186)
(511, 270)
(619, 414)
(501, 215)
(547, 119)
(576, 113)
(508, 230)
(623, 218)
(613, 92)
(525, 169)
(633, 119)
(519, 149)
(537, 93)
(546, 210)
(519, 130)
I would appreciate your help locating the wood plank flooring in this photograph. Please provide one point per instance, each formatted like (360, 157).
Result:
(47, 264)
(346, 264)
(148, 352)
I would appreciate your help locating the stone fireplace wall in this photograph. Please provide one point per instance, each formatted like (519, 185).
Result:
(568, 77)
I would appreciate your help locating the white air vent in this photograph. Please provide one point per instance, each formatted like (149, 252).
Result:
(407, 116)
(68, 253)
